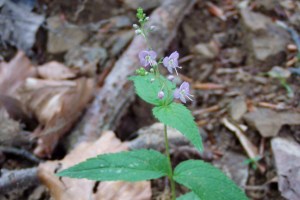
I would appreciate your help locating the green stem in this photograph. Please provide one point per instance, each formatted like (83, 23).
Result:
(170, 164)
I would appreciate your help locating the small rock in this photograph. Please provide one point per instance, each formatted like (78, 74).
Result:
(254, 21)
(237, 108)
(63, 36)
(265, 41)
(153, 137)
(232, 165)
(207, 50)
(279, 72)
(145, 4)
(268, 122)
(287, 159)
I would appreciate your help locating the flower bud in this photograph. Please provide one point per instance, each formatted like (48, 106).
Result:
(138, 31)
(151, 70)
(170, 77)
(135, 26)
(160, 94)
(147, 18)
(152, 80)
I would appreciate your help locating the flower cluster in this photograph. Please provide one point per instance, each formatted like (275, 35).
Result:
(148, 58)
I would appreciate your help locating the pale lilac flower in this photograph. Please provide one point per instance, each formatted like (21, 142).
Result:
(148, 58)
(183, 92)
(161, 94)
(171, 62)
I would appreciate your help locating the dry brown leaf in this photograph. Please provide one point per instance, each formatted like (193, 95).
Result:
(55, 71)
(14, 73)
(82, 189)
(57, 106)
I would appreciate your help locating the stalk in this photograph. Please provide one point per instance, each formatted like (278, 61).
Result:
(172, 183)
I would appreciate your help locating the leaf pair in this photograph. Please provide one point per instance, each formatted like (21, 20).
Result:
(206, 182)
(166, 111)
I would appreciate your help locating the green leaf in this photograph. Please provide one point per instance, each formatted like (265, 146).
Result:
(188, 196)
(147, 87)
(179, 117)
(135, 165)
(206, 181)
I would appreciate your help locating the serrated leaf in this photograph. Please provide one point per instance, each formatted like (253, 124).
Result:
(148, 90)
(206, 181)
(179, 117)
(134, 165)
(188, 196)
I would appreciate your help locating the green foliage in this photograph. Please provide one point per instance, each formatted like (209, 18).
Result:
(252, 162)
(148, 86)
(179, 117)
(189, 196)
(135, 165)
(206, 181)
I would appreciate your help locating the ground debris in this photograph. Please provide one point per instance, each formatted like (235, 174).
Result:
(287, 160)
(268, 122)
(19, 25)
(69, 189)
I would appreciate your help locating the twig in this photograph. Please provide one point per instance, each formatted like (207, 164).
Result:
(15, 179)
(20, 152)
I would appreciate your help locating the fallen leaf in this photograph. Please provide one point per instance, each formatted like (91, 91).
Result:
(14, 73)
(55, 71)
(19, 25)
(56, 107)
(82, 189)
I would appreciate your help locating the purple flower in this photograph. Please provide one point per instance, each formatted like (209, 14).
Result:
(148, 58)
(171, 62)
(161, 94)
(183, 92)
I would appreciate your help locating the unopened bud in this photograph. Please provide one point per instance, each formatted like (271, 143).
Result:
(160, 94)
(147, 18)
(170, 77)
(151, 70)
(138, 31)
(135, 26)
(152, 80)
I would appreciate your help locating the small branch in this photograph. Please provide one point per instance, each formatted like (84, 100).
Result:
(20, 152)
(15, 179)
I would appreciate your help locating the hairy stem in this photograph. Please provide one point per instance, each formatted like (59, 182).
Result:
(172, 183)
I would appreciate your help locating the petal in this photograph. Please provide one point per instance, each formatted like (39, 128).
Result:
(182, 99)
(175, 63)
(152, 54)
(170, 69)
(143, 54)
(176, 93)
(166, 61)
(144, 62)
(174, 55)
(185, 86)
